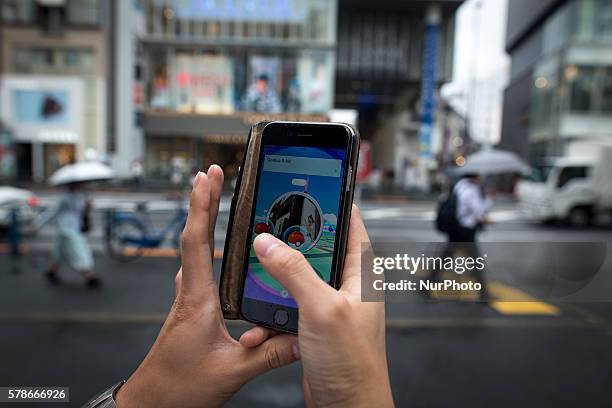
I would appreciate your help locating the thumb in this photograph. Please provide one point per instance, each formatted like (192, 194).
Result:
(291, 269)
(275, 352)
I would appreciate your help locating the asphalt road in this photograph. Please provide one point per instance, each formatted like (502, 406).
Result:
(537, 353)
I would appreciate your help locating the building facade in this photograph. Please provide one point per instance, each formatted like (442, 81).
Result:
(559, 99)
(53, 71)
(201, 73)
(170, 86)
(392, 59)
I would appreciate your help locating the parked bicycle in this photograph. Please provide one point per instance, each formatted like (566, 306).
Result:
(129, 234)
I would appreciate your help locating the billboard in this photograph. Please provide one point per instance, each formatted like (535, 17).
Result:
(42, 108)
(33, 106)
(276, 11)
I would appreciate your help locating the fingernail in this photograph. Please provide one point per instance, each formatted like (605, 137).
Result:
(296, 350)
(197, 178)
(264, 243)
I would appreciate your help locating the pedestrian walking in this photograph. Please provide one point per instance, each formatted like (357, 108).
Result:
(461, 217)
(72, 221)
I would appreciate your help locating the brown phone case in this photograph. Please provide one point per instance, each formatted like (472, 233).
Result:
(232, 273)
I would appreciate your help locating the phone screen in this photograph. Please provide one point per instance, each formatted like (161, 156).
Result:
(298, 201)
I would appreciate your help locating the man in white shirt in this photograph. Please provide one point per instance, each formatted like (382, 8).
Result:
(472, 206)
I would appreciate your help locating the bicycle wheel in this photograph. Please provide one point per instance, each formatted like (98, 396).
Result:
(123, 241)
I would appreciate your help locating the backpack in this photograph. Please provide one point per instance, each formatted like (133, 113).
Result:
(446, 217)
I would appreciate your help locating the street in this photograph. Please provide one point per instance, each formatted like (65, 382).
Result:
(440, 353)
(111, 110)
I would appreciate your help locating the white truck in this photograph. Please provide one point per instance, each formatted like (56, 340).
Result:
(577, 190)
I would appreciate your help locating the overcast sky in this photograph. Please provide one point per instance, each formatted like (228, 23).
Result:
(480, 34)
(480, 57)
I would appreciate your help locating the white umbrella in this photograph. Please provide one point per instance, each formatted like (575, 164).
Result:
(85, 171)
(493, 161)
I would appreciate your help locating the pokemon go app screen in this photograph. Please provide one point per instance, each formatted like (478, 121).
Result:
(298, 202)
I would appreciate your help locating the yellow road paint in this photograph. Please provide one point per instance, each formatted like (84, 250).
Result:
(506, 292)
(512, 301)
(525, 308)
(516, 302)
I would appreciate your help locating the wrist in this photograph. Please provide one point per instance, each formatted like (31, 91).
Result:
(372, 390)
(372, 394)
(141, 390)
(127, 396)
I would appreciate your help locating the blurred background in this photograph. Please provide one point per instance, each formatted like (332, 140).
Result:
(152, 91)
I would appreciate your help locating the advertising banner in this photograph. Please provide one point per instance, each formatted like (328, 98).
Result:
(428, 88)
(42, 108)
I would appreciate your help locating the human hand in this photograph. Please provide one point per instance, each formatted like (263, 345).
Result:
(194, 361)
(341, 339)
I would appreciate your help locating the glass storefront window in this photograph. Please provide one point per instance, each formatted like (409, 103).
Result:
(202, 83)
(242, 80)
(159, 82)
(41, 60)
(560, 27)
(590, 89)
(581, 90)
(78, 12)
(58, 155)
(602, 27)
(606, 90)
(582, 20)
(177, 158)
(17, 11)
(545, 97)
(171, 157)
(84, 12)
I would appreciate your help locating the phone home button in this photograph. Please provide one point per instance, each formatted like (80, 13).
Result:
(281, 317)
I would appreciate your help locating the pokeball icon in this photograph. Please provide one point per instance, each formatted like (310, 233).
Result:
(262, 227)
(295, 218)
(296, 238)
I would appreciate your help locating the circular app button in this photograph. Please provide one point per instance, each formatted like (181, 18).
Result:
(281, 317)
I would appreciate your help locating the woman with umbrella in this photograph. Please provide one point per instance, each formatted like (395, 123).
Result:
(71, 216)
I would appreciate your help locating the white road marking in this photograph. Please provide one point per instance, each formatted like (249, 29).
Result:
(416, 214)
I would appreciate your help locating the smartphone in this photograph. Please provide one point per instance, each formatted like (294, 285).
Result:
(303, 196)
